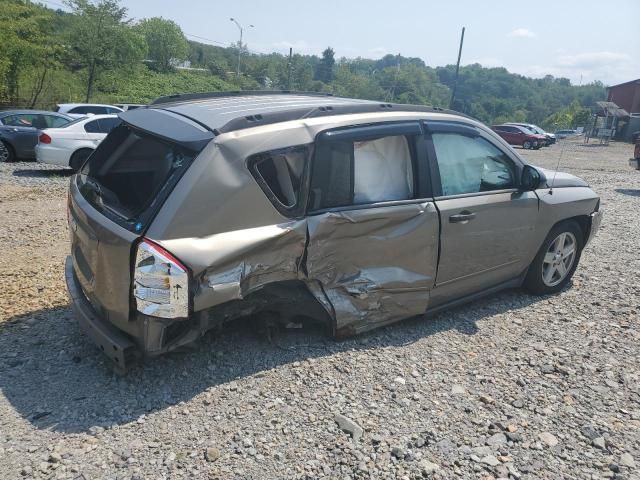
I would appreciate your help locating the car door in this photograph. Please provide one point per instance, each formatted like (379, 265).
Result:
(24, 135)
(372, 225)
(487, 221)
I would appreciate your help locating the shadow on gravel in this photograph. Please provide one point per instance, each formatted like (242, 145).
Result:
(628, 191)
(48, 173)
(56, 379)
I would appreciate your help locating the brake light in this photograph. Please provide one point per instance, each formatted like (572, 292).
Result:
(160, 283)
(44, 138)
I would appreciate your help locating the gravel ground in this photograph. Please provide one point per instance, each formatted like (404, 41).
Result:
(510, 386)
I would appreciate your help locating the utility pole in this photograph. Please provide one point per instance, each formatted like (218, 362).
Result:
(239, 44)
(290, 67)
(455, 80)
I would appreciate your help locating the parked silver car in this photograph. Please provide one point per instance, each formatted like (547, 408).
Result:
(201, 209)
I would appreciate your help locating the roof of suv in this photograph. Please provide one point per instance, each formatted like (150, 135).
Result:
(224, 112)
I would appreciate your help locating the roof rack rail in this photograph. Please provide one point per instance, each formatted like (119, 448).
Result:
(240, 123)
(181, 97)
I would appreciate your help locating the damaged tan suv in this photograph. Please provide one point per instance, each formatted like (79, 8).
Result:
(200, 209)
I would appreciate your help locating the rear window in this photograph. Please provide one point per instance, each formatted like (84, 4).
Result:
(279, 173)
(130, 174)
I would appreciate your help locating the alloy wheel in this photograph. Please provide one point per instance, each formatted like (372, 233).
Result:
(526, 145)
(559, 259)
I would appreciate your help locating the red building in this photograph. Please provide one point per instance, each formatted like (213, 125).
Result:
(626, 95)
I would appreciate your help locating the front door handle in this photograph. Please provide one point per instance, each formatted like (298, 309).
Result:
(463, 217)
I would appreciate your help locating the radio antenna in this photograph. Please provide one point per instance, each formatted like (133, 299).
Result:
(553, 181)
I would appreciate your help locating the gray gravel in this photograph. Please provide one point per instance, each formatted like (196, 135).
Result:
(512, 386)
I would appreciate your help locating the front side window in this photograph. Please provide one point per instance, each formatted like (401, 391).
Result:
(357, 172)
(280, 173)
(471, 165)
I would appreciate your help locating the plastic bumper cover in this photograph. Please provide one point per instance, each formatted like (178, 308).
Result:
(596, 220)
(116, 345)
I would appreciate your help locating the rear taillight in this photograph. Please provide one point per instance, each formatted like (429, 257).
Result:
(160, 282)
(44, 138)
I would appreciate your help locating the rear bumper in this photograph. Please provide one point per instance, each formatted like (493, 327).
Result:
(116, 345)
(52, 155)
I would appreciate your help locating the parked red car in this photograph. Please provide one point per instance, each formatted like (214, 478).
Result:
(517, 135)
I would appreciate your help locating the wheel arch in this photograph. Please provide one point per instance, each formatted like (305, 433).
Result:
(9, 145)
(583, 221)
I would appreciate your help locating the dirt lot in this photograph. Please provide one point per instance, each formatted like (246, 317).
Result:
(512, 385)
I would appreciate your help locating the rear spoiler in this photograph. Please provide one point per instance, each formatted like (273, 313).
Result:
(169, 126)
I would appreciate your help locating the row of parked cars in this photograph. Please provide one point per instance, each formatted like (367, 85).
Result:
(65, 137)
(529, 136)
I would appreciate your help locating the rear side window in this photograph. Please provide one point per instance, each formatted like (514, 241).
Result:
(280, 174)
(102, 125)
(129, 173)
(92, 127)
(360, 172)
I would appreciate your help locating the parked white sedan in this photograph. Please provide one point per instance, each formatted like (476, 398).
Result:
(71, 145)
(78, 110)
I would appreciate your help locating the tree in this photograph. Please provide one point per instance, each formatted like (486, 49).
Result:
(25, 31)
(165, 41)
(324, 69)
(101, 39)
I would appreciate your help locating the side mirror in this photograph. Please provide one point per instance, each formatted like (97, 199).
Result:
(531, 179)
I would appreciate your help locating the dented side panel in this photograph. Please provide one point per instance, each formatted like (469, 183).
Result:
(375, 265)
(366, 267)
(229, 266)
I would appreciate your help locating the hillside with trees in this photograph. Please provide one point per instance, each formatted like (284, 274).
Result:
(95, 52)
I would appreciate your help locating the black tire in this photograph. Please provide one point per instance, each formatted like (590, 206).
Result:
(78, 158)
(526, 144)
(534, 282)
(7, 154)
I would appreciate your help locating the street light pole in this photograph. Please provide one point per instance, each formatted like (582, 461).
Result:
(240, 44)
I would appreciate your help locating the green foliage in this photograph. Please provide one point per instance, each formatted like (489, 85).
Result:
(142, 85)
(101, 39)
(324, 69)
(575, 115)
(165, 41)
(24, 33)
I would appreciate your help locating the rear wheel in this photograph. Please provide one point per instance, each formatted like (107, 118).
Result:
(6, 152)
(557, 259)
(526, 145)
(79, 157)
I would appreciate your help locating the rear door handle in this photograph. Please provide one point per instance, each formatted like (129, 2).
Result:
(462, 217)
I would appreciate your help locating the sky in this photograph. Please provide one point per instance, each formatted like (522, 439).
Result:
(583, 40)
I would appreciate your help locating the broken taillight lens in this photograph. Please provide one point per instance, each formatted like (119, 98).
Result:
(160, 282)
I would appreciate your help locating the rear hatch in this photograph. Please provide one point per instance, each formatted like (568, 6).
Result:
(116, 195)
